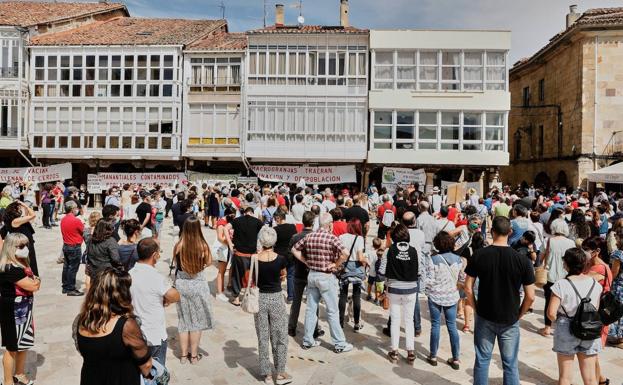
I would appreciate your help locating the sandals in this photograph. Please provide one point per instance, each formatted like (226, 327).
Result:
(454, 364)
(466, 329)
(432, 360)
(283, 379)
(392, 355)
(185, 359)
(194, 359)
(411, 356)
(606, 382)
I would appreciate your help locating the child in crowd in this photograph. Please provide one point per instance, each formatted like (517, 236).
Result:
(374, 258)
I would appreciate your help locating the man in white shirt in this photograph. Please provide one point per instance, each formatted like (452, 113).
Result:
(327, 203)
(298, 209)
(435, 200)
(150, 294)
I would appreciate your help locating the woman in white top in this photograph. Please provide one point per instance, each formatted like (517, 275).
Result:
(354, 270)
(129, 211)
(563, 305)
(556, 247)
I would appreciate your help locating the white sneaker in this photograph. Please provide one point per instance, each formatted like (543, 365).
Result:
(222, 297)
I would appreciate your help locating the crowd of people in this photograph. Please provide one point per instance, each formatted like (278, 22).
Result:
(479, 262)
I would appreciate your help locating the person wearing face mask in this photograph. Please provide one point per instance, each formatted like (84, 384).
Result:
(17, 285)
(113, 197)
(18, 218)
(72, 230)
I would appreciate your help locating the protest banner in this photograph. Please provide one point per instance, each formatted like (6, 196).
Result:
(403, 177)
(312, 175)
(52, 173)
(165, 179)
(211, 179)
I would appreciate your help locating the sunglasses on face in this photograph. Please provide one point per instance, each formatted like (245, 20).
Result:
(22, 246)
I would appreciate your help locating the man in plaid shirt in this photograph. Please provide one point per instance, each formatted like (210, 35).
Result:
(323, 253)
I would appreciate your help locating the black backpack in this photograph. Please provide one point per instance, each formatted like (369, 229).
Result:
(586, 323)
(610, 308)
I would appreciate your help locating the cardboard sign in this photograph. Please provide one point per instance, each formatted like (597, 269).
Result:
(36, 174)
(312, 175)
(94, 184)
(455, 193)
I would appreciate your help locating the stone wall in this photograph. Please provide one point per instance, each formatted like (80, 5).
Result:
(569, 74)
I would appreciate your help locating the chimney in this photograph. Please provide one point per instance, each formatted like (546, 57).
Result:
(573, 15)
(344, 13)
(279, 15)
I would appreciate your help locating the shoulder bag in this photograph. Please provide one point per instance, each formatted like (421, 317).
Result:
(455, 277)
(251, 299)
(610, 308)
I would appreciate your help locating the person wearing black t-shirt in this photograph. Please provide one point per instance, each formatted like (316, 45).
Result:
(143, 211)
(358, 212)
(246, 229)
(502, 272)
(285, 232)
(83, 196)
(271, 320)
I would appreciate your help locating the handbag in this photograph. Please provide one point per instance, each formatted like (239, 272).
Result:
(251, 298)
(385, 302)
(540, 276)
(352, 269)
(610, 308)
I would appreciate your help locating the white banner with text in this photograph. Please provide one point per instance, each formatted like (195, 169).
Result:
(166, 179)
(57, 172)
(311, 175)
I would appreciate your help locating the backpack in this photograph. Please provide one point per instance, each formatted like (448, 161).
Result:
(586, 323)
(610, 308)
(388, 218)
(268, 216)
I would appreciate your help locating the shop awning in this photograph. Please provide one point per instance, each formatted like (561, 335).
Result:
(611, 174)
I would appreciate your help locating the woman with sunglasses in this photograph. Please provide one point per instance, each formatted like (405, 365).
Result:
(17, 285)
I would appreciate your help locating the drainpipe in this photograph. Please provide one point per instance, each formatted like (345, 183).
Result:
(595, 105)
(20, 67)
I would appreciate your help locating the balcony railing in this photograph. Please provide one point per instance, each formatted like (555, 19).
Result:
(9, 72)
(217, 85)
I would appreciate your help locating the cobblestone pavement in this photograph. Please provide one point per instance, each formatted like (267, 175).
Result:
(230, 350)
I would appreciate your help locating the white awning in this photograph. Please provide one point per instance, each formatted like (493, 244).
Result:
(612, 174)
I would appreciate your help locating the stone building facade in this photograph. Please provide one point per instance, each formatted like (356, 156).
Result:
(567, 103)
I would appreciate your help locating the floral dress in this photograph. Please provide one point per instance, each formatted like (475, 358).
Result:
(616, 329)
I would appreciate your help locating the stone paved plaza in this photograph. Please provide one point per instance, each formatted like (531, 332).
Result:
(230, 350)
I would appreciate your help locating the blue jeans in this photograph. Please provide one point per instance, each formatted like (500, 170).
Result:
(323, 285)
(290, 282)
(449, 313)
(159, 352)
(485, 334)
(71, 264)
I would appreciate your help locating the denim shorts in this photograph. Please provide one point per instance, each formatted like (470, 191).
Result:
(371, 279)
(567, 344)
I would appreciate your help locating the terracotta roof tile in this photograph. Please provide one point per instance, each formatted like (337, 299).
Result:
(595, 17)
(133, 31)
(220, 41)
(31, 13)
(311, 29)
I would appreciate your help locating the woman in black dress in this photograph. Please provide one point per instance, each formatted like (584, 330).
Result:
(18, 218)
(17, 285)
(109, 338)
(214, 208)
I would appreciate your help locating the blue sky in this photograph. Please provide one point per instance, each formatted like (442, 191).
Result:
(532, 22)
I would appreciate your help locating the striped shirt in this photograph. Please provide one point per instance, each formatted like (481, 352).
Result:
(321, 249)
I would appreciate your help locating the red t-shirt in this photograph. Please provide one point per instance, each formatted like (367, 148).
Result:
(72, 229)
(385, 206)
(452, 213)
(575, 204)
(281, 201)
(299, 227)
(339, 228)
(221, 222)
(236, 202)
